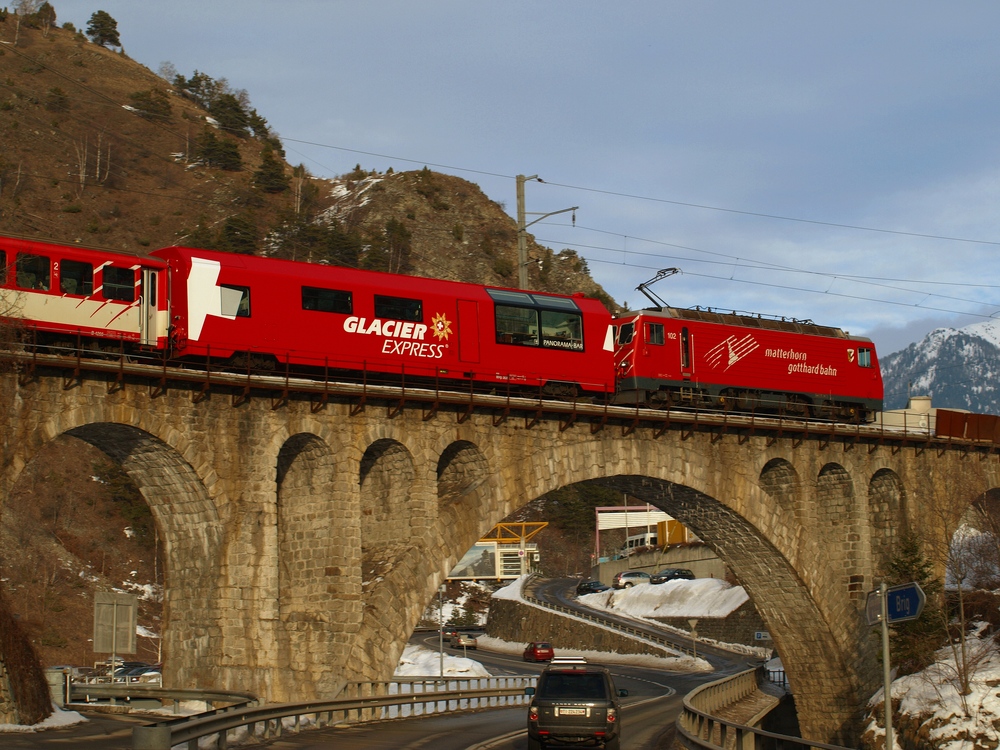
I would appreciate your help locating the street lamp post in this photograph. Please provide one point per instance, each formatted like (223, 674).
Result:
(441, 628)
(522, 236)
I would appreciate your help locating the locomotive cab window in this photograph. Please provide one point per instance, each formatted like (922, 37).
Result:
(33, 272)
(399, 308)
(864, 357)
(118, 283)
(326, 300)
(625, 334)
(654, 333)
(235, 300)
(76, 277)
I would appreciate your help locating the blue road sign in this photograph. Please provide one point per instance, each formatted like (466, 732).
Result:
(904, 602)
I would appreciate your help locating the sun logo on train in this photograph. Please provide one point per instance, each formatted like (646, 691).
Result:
(441, 326)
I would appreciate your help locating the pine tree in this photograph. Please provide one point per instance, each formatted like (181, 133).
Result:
(913, 643)
(270, 177)
(103, 30)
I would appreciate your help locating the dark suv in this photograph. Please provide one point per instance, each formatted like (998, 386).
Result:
(672, 574)
(576, 704)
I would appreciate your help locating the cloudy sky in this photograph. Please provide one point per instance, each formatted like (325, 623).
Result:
(838, 162)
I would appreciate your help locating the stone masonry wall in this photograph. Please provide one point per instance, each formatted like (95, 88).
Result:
(518, 622)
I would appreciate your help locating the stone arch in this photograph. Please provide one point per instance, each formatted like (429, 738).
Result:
(462, 484)
(887, 517)
(818, 667)
(387, 473)
(192, 536)
(316, 550)
(780, 481)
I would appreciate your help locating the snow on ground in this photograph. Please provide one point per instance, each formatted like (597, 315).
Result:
(702, 597)
(953, 721)
(59, 718)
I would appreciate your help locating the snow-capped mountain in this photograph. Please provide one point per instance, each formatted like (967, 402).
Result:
(957, 368)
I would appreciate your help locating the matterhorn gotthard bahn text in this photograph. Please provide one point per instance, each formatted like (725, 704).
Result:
(957, 368)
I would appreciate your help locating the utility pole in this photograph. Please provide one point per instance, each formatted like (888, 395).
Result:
(522, 236)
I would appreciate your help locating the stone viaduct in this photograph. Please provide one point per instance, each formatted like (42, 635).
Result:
(303, 538)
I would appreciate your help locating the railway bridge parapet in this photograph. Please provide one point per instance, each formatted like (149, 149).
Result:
(305, 530)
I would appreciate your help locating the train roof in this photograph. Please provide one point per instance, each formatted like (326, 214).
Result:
(745, 320)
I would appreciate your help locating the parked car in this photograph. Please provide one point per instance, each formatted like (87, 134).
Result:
(629, 578)
(574, 702)
(462, 640)
(671, 574)
(538, 651)
(590, 587)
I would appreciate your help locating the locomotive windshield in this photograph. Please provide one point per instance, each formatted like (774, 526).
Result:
(538, 320)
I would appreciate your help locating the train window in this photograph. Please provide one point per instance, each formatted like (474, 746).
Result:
(33, 272)
(118, 283)
(685, 348)
(517, 325)
(561, 330)
(515, 298)
(399, 308)
(654, 333)
(3, 267)
(625, 334)
(76, 277)
(326, 300)
(865, 357)
(235, 300)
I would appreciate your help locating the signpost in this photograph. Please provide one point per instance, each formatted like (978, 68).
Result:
(892, 604)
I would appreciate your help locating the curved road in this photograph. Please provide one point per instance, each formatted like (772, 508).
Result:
(648, 713)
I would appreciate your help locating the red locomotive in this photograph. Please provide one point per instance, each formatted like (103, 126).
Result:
(237, 311)
(668, 357)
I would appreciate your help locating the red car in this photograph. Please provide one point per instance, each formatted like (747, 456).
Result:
(538, 651)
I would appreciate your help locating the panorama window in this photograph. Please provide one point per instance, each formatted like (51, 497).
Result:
(118, 283)
(399, 308)
(235, 300)
(33, 272)
(326, 300)
(517, 325)
(541, 320)
(76, 277)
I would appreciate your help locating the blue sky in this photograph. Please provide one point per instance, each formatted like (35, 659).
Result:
(838, 162)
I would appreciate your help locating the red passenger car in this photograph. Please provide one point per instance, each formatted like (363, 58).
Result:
(675, 357)
(259, 311)
(73, 295)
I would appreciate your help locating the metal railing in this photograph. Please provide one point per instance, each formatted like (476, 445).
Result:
(159, 372)
(359, 703)
(700, 729)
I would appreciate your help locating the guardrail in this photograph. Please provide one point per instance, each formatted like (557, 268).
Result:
(360, 702)
(700, 729)
(86, 692)
(609, 624)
